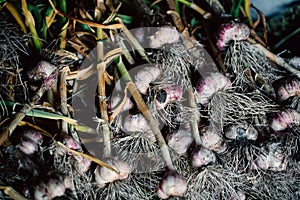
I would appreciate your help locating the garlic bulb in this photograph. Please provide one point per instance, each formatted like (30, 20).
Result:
(210, 85)
(104, 175)
(203, 157)
(180, 141)
(172, 184)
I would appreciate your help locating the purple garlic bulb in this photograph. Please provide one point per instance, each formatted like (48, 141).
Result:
(180, 141)
(45, 74)
(285, 119)
(172, 184)
(210, 85)
(232, 31)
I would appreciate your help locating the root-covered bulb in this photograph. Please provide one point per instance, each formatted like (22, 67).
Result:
(210, 85)
(54, 186)
(240, 131)
(138, 123)
(272, 158)
(212, 140)
(285, 119)
(172, 184)
(104, 175)
(180, 141)
(202, 157)
(232, 31)
(44, 73)
(144, 77)
(288, 88)
(165, 35)
(30, 142)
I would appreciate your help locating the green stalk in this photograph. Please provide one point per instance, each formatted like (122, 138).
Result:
(30, 24)
(195, 7)
(63, 8)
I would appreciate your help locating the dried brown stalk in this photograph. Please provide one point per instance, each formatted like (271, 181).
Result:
(12, 193)
(153, 125)
(194, 118)
(132, 40)
(276, 59)
(102, 102)
(89, 23)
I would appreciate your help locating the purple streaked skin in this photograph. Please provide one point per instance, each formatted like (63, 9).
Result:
(285, 119)
(202, 157)
(44, 72)
(232, 31)
(172, 184)
(104, 175)
(174, 93)
(210, 85)
(30, 142)
(288, 89)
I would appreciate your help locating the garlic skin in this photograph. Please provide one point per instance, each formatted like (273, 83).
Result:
(30, 142)
(104, 175)
(44, 73)
(231, 31)
(213, 140)
(53, 187)
(285, 119)
(203, 157)
(72, 143)
(210, 85)
(273, 159)
(180, 141)
(289, 88)
(144, 77)
(171, 93)
(240, 131)
(165, 35)
(138, 123)
(172, 184)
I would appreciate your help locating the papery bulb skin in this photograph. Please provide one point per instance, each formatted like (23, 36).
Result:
(272, 159)
(210, 85)
(232, 31)
(138, 123)
(241, 131)
(202, 157)
(180, 141)
(165, 35)
(172, 184)
(30, 142)
(144, 77)
(285, 119)
(104, 175)
(213, 140)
